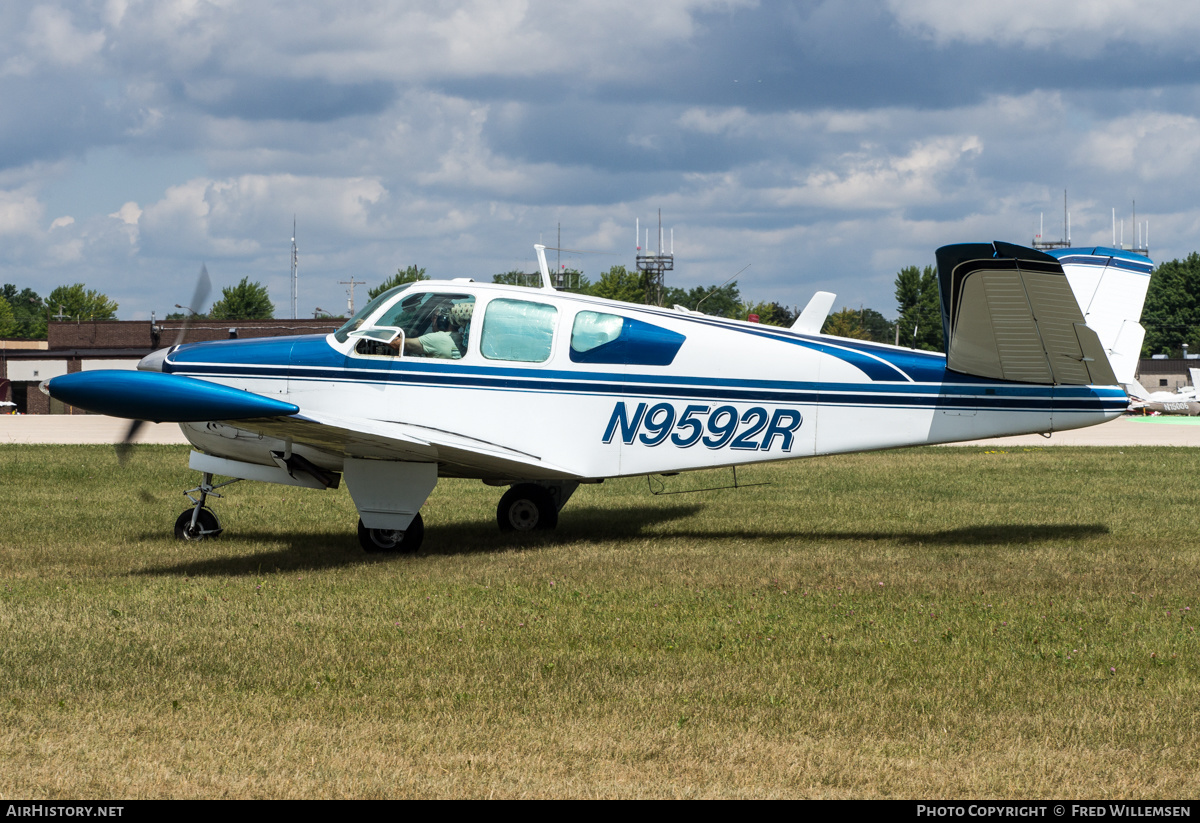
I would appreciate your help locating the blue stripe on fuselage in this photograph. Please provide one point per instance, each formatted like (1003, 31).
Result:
(311, 358)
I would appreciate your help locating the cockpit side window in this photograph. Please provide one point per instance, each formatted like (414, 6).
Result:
(518, 330)
(433, 324)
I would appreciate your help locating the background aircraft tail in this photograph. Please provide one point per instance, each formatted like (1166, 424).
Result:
(1110, 286)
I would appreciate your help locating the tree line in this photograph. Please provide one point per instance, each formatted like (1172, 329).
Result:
(1171, 315)
(916, 293)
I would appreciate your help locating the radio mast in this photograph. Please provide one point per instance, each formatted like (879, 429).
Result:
(653, 265)
(295, 262)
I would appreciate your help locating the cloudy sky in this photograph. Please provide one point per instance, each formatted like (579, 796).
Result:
(826, 144)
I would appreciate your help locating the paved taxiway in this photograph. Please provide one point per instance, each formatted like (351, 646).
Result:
(94, 428)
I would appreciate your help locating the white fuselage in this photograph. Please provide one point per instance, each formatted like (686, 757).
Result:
(686, 391)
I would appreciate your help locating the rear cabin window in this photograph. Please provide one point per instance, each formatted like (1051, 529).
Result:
(518, 330)
(597, 337)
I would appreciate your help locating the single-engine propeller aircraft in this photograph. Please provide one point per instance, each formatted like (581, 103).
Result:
(541, 390)
(1182, 401)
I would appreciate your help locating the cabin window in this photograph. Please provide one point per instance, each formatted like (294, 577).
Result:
(608, 338)
(430, 324)
(518, 330)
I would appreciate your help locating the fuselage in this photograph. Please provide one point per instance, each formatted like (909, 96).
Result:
(600, 388)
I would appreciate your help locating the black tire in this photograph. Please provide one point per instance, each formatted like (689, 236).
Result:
(527, 507)
(392, 541)
(207, 526)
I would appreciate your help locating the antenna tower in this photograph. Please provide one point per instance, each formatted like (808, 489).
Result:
(1040, 243)
(350, 291)
(653, 266)
(295, 262)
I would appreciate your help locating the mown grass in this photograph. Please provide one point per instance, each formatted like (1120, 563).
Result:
(936, 623)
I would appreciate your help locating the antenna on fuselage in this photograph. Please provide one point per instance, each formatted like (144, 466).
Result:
(718, 288)
(547, 283)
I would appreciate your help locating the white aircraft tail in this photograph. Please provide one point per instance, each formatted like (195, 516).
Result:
(1135, 390)
(1110, 286)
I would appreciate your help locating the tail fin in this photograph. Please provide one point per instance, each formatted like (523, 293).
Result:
(1110, 286)
(1009, 313)
(1136, 390)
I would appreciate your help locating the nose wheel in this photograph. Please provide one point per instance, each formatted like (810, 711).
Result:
(199, 522)
(392, 541)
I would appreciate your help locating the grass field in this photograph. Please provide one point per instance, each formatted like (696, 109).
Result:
(938, 623)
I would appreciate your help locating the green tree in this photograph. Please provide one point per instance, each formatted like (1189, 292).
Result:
(78, 303)
(27, 308)
(772, 314)
(515, 277)
(719, 301)
(919, 305)
(402, 276)
(245, 301)
(8, 323)
(619, 284)
(845, 323)
(860, 324)
(1171, 316)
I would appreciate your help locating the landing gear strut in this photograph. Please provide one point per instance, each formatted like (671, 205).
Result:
(199, 522)
(392, 541)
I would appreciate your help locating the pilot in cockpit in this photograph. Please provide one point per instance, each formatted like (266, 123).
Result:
(447, 339)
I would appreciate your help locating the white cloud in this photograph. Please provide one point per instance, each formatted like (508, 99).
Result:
(52, 34)
(62, 222)
(873, 181)
(226, 217)
(129, 214)
(20, 212)
(1078, 27)
(1153, 146)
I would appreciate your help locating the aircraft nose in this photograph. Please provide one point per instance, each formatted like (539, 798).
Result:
(153, 361)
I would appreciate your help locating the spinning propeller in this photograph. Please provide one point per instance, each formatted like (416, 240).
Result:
(203, 287)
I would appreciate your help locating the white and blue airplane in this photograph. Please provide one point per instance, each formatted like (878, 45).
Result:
(541, 390)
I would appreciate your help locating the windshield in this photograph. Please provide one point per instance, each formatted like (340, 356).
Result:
(358, 319)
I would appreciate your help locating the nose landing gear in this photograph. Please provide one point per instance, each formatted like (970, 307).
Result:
(199, 522)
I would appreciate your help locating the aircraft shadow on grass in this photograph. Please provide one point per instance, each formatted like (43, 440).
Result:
(314, 552)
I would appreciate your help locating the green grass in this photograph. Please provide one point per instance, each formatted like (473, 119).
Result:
(930, 623)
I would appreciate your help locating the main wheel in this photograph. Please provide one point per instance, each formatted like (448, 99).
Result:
(392, 541)
(526, 507)
(207, 525)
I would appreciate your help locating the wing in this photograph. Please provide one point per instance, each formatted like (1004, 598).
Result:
(455, 454)
(144, 395)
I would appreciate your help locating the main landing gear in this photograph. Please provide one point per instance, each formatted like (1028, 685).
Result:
(392, 541)
(528, 507)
